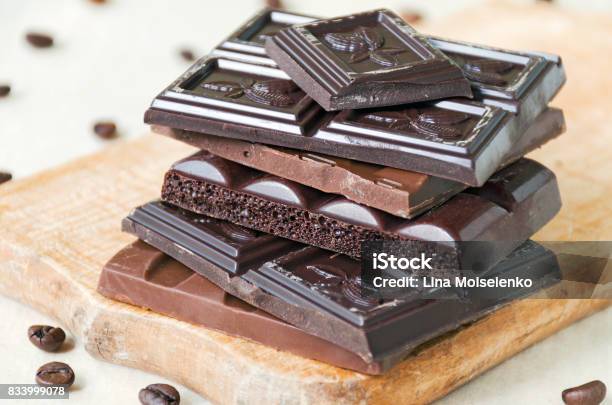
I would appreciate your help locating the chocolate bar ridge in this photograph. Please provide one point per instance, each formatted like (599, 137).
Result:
(374, 329)
(398, 192)
(143, 276)
(311, 54)
(510, 207)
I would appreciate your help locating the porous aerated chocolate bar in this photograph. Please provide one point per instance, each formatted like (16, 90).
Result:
(510, 207)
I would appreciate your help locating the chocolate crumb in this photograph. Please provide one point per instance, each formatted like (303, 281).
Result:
(5, 176)
(4, 90)
(105, 130)
(187, 55)
(39, 40)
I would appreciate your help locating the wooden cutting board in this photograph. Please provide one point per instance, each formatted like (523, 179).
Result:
(60, 227)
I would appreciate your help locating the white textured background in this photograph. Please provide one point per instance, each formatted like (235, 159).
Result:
(108, 63)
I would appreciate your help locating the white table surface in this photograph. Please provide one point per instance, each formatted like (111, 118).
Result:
(108, 63)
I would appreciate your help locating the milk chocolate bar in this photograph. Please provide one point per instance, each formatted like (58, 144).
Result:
(399, 192)
(365, 60)
(461, 140)
(320, 292)
(141, 275)
(512, 206)
(520, 82)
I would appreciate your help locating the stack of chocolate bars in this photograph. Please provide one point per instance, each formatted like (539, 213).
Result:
(317, 136)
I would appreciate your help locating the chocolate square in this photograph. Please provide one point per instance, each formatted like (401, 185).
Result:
(226, 91)
(365, 60)
(519, 82)
(500, 77)
(449, 139)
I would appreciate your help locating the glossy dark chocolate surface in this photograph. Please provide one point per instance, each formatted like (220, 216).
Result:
(465, 136)
(500, 77)
(216, 91)
(458, 140)
(143, 276)
(510, 210)
(320, 292)
(399, 192)
(453, 140)
(519, 82)
(365, 60)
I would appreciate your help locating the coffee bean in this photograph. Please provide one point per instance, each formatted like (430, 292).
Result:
(98, 1)
(159, 394)
(39, 40)
(411, 17)
(187, 55)
(46, 337)
(5, 176)
(4, 90)
(591, 393)
(105, 129)
(55, 373)
(275, 4)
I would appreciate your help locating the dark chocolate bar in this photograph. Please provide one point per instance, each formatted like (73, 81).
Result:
(398, 192)
(365, 60)
(141, 275)
(510, 207)
(460, 140)
(522, 82)
(320, 292)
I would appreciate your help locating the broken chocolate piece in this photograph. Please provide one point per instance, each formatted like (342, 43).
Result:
(365, 60)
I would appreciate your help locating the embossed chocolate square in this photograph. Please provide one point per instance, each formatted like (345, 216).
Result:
(457, 140)
(371, 59)
(247, 42)
(217, 95)
(520, 82)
